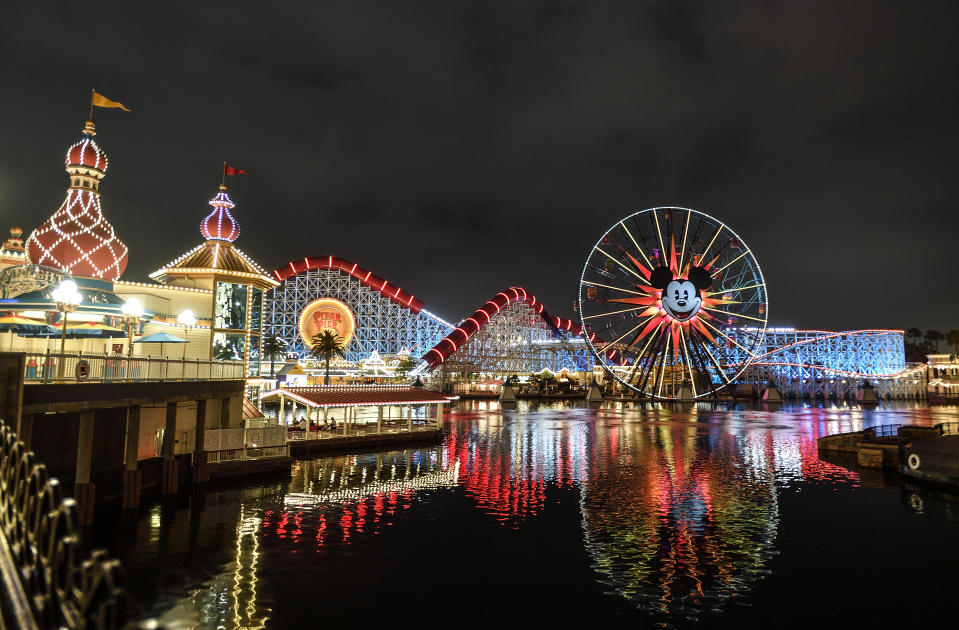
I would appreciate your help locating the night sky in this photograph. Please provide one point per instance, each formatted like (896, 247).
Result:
(458, 148)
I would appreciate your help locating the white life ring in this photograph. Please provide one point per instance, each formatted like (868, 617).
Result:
(914, 461)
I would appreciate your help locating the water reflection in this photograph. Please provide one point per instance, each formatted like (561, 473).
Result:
(679, 509)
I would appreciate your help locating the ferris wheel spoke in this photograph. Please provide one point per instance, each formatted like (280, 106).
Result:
(650, 362)
(616, 260)
(625, 310)
(607, 286)
(716, 310)
(734, 289)
(730, 339)
(689, 367)
(618, 339)
(663, 364)
(642, 353)
(713, 240)
(682, 251)
(701, 363)
(659, 233)
(719, 368)
(638, 248)
(731, 262)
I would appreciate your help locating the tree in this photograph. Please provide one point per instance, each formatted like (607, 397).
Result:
(934, 337)
(325, 345)
(405, 366)
(953, 338)
(915, 333)
(273, 347)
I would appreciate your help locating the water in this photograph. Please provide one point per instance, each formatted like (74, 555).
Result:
(554, 514)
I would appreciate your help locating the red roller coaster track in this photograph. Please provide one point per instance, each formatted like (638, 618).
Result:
(482, 316)
(365, 277)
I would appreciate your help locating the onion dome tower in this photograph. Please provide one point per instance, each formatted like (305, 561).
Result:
(78, 239)
(220, 225)
(217, 254)
(235, 280)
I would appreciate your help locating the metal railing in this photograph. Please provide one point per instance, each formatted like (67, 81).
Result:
(50, 367)
(241, 444)
(44, 583)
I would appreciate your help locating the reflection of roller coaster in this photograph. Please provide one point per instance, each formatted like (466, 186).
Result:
(425, 481)
(819, 363)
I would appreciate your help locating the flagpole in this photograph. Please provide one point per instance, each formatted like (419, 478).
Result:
(223, 177)
(92, 93)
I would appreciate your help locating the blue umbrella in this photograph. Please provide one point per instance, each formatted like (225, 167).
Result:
(161, 338)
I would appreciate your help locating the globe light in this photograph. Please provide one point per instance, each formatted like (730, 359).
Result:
(66, 293)
(188, 321)
(186, 318)
(132, 307)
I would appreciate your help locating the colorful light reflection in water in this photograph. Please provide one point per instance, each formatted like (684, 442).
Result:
(679, 510)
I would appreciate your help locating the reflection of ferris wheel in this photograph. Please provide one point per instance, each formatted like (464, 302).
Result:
(674, 303)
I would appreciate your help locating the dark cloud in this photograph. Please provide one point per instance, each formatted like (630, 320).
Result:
(461, 147)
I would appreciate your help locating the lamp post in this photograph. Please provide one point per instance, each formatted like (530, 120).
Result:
(132, 311)
(188, 321)
(67, 298)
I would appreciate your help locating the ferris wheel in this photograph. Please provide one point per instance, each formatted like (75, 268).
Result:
(673, 303)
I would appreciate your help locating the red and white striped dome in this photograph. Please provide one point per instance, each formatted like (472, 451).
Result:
(77, 238)
(87, 153)
(220, 225)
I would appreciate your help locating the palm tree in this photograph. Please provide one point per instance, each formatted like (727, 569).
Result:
(915, 333)
(325, 345)
(953, 338)
(273, 347)
(934, 337)
(405, 366)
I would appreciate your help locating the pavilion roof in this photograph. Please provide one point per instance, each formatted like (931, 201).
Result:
(338, 396)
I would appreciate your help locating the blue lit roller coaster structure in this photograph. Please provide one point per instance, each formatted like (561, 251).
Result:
(824, 364)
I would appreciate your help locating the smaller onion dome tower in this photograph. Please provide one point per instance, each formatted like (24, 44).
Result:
(236, 282)
(78, 239)
(220, 225)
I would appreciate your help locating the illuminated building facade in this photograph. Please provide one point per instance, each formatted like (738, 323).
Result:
(943, 375)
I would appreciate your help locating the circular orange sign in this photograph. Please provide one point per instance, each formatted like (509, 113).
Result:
(327, 314)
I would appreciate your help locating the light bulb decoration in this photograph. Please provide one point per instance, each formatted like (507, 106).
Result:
(220, 225)
(77, 238)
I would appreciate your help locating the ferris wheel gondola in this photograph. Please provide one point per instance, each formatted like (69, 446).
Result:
(673, 303)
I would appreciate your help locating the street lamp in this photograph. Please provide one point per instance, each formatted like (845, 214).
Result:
(188, 321)
(67, 298)
(132, 312)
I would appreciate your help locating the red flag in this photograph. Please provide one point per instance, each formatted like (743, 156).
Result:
(229, 170)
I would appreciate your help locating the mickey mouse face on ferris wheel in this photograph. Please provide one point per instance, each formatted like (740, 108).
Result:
(681, 297)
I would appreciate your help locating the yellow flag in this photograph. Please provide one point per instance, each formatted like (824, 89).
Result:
(99, 100)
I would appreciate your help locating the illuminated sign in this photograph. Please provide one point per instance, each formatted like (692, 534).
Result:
(327, 314)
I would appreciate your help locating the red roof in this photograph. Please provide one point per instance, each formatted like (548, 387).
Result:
(475, 322)
(357, 396)
(365, 277)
